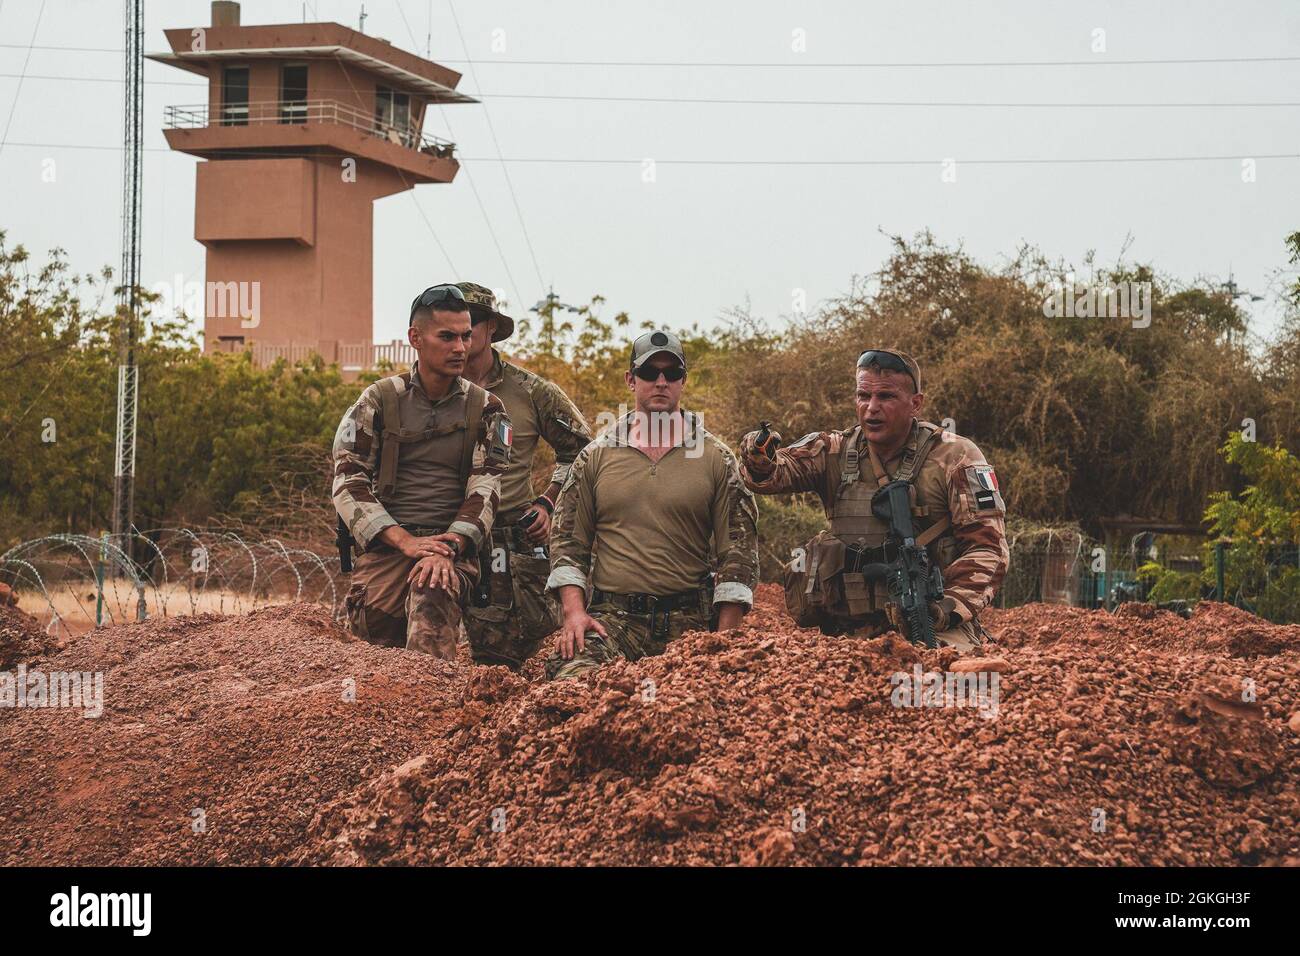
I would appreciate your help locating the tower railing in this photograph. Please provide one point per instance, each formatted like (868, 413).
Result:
(354, 356)
(302, 112)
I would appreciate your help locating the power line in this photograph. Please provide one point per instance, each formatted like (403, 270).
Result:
(946, 104)
(717, 101)
(886, 65)
(487, 220)
(541, 283)
(71, 49)
(4, 138)
(632, 161)
(409, 186)
(739, 64)
(891, 162)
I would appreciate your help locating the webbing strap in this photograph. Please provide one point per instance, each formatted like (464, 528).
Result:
(914, 457)
(882, 476)
(386, 482)
(393, 435)
(851, 471)
(475, 402)
(932, 532)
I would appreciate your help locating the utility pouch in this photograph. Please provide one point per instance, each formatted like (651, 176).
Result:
(494, 597)
(813, 580)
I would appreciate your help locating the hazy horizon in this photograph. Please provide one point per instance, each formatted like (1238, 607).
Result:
(742, 208)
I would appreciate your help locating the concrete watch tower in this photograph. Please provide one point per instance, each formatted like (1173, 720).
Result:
(305, 126)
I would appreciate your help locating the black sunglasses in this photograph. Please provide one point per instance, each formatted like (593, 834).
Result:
(648, 373)
(885, 360)
(436, 295)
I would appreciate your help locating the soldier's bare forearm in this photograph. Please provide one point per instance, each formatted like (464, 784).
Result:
(395, 536)
(573, 599)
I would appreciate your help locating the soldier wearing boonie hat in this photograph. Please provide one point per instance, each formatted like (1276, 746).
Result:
(512, 613)
(959, 512)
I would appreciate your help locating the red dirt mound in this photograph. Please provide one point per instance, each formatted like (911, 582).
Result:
(244, 720)
(774, 745)
(21, 637)
(1213, 627)
(1134, 738)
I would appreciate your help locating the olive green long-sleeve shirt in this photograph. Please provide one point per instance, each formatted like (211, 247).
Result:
(628, 525)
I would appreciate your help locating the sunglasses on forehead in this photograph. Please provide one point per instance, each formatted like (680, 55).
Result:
(436, 295)
(885, 360)
(648, 373)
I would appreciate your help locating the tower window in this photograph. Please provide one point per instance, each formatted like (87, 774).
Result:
(293, 94)
(234, 96)
(393, 116)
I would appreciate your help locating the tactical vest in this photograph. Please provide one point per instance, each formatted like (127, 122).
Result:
(515, 393)
(423, 469)
(853, 526)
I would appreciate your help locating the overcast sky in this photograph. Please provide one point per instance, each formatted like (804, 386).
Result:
(701, 238)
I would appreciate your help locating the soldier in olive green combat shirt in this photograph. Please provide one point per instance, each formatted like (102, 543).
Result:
(649, 509)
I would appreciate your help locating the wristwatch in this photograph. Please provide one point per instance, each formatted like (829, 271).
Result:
(454, 544)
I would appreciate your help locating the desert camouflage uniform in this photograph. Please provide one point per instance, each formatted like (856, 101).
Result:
(676, 563)
(381, 608)
(521, 613)
(954, 481)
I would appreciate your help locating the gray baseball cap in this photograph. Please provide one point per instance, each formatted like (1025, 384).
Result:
(652, 343)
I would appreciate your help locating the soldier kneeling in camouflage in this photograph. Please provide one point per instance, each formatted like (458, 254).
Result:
(660, 502)
(512, 612)
(417, 478)
(957, 508)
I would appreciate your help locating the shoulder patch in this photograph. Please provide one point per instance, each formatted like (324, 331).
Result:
(982, 483)
(501, 436)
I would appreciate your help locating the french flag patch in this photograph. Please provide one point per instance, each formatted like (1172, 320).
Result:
(505, 433)
(988, 479)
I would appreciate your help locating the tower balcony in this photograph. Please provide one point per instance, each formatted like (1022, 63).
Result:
(306, 127)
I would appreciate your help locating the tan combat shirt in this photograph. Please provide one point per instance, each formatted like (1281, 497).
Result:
(431, 496)
(627, 525)
(538, 409)
(954, 480)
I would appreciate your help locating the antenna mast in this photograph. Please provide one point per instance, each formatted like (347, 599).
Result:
(129, 296)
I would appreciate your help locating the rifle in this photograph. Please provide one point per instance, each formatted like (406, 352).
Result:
(343, 541)
(913, 582)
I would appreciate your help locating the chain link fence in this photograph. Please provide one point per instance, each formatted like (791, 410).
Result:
(1170, 571)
